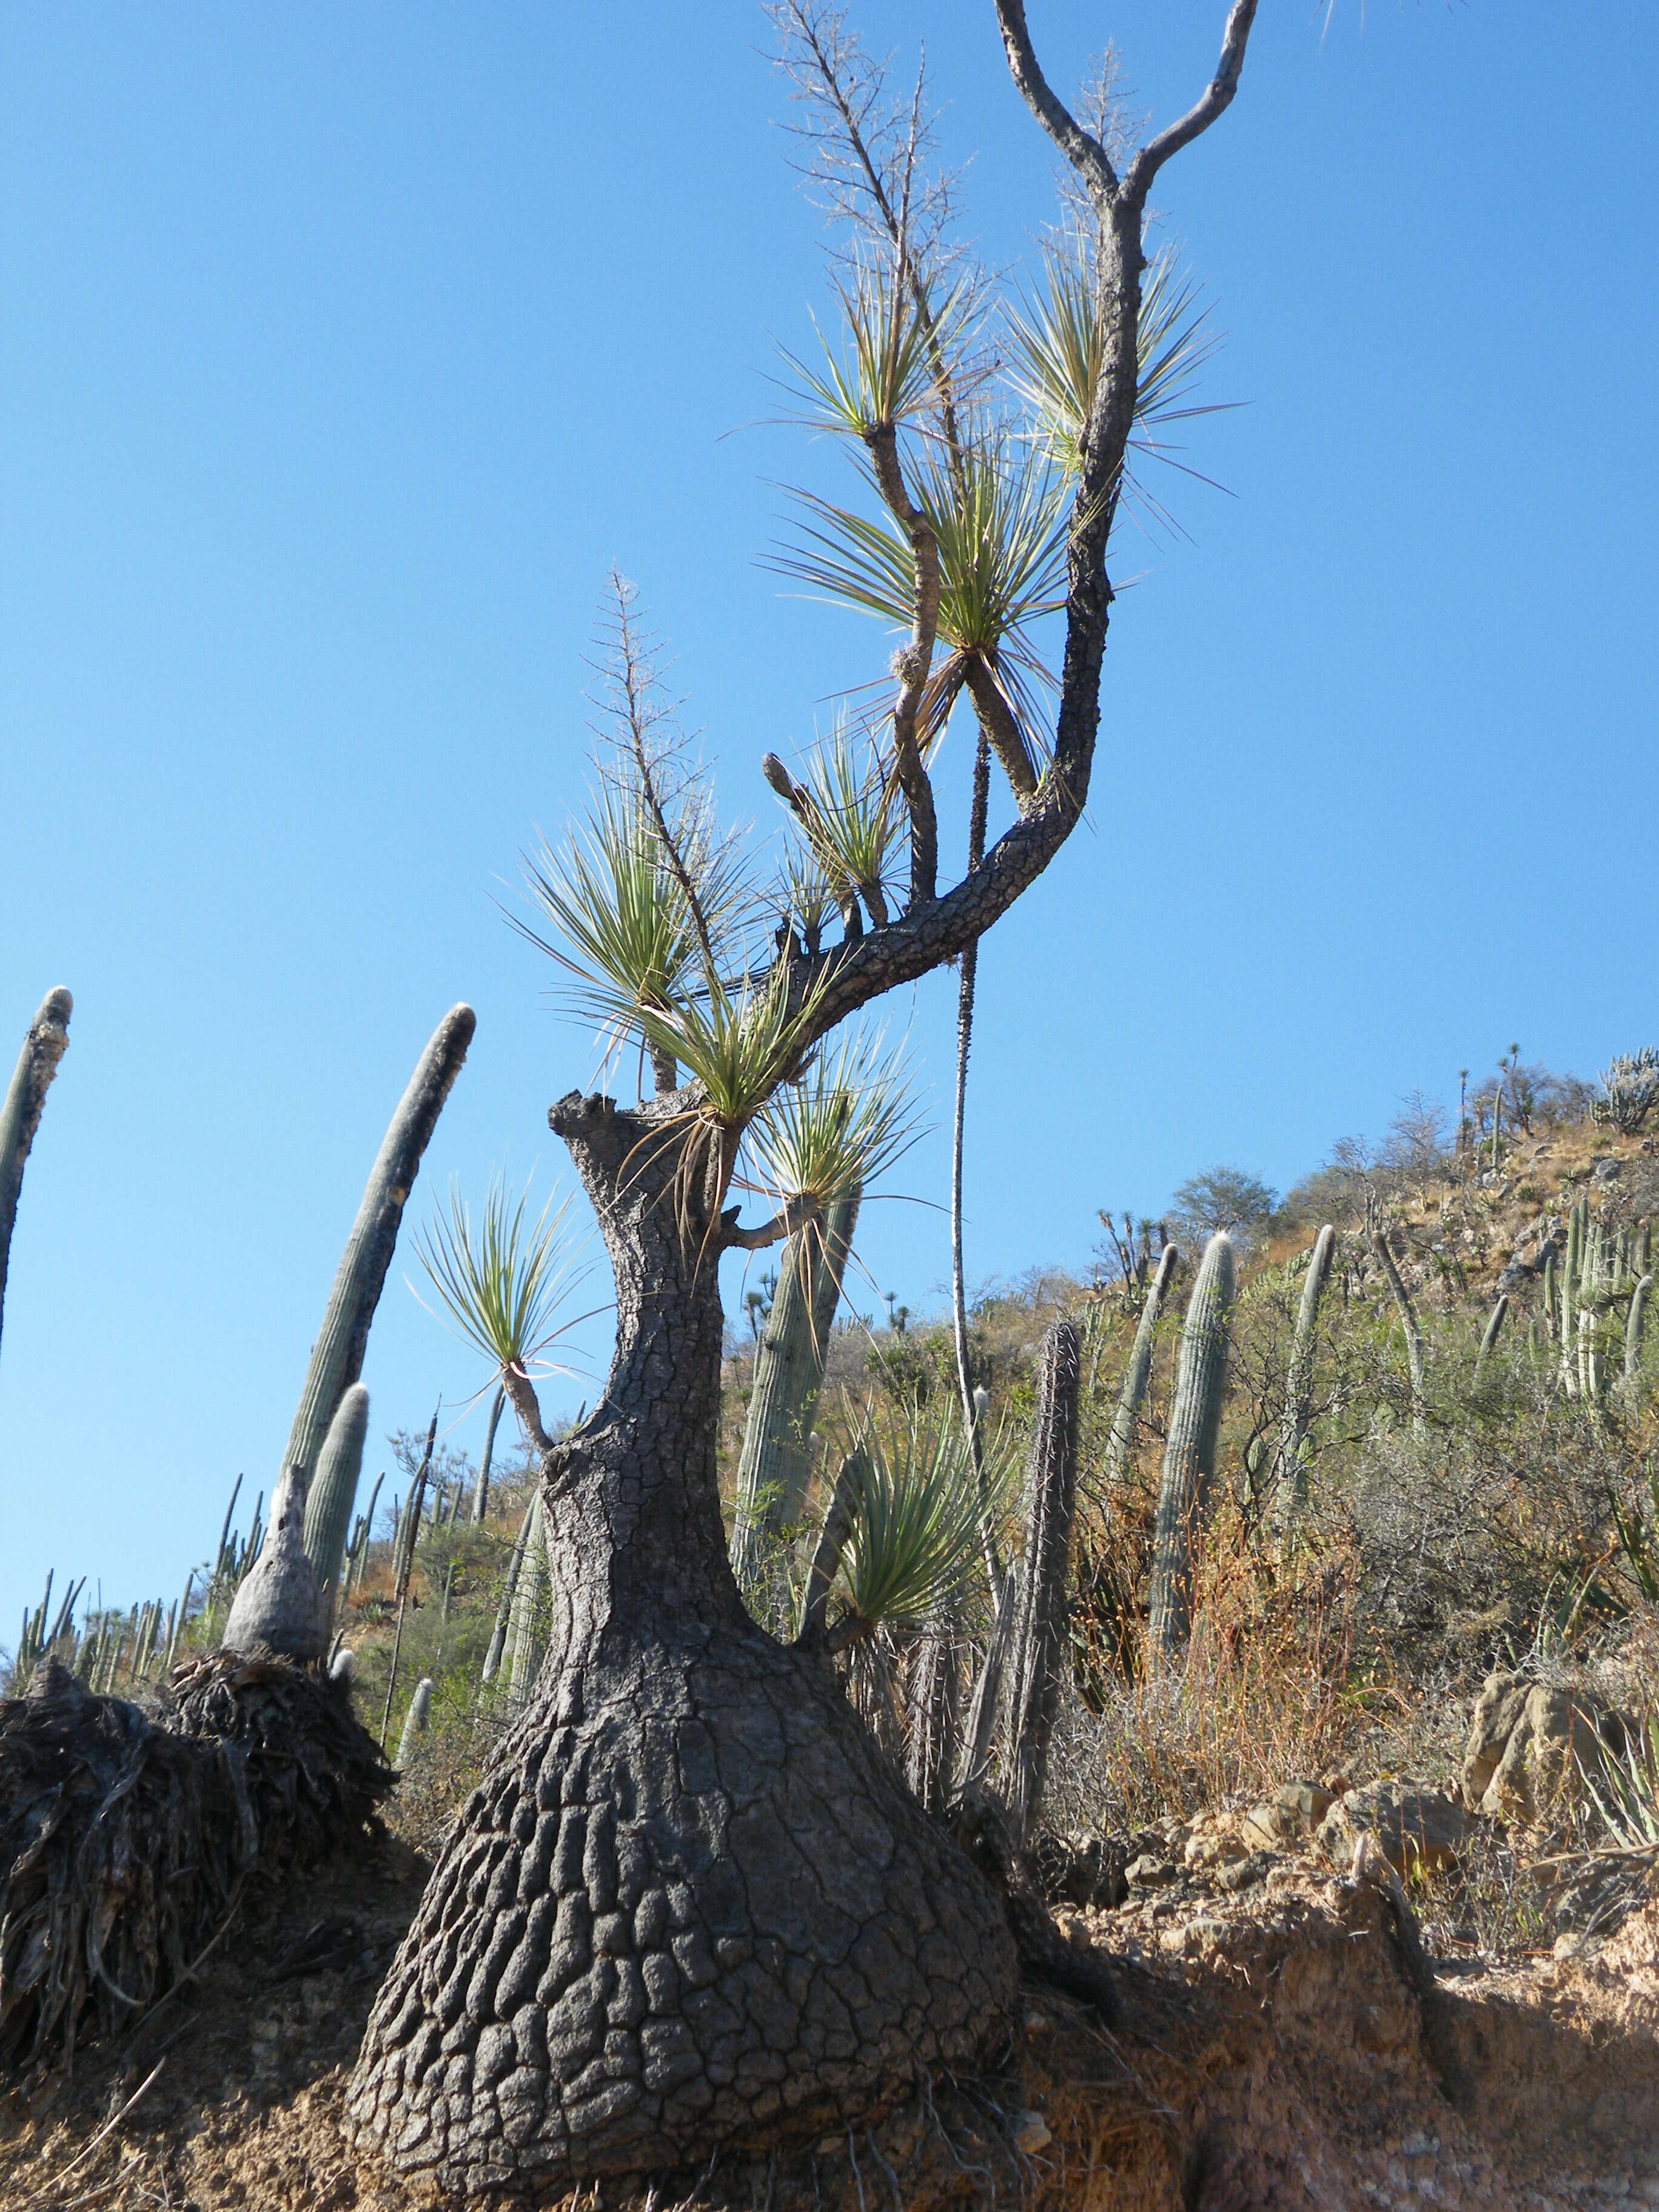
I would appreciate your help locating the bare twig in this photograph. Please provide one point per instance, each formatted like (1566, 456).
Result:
(43, 2199)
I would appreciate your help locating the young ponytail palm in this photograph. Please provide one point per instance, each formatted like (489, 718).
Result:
(504, 1281)
(914, 1546)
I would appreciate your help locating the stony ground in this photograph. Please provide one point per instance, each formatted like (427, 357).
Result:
(1273, 2050)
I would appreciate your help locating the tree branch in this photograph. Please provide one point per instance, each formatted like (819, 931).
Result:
(914, 663)
(1217, 96)
(527, 1405)
(1084, 152)
(792, 1217)
(1001, 731)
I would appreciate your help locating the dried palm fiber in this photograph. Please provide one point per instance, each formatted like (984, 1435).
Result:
(314, 1775)
(128, 1837)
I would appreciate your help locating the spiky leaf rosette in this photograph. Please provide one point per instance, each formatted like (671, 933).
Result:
(505, 1280)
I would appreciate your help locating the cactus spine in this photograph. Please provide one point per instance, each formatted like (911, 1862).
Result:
(46, 1042)
(1037, 1645)
(1290, 1479)
(336, 1357)
(1190, 1457)
(333, 1492)
(1413, 1334)
(1132, 1395)
(775, 1464)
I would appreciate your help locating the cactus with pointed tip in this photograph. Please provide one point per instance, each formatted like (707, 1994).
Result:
(46, 1042)
(336, 1357)
(1490, 1333)
(1407, 1312)
(1189, 1458)
(1290, 1476)
(1133, 1391)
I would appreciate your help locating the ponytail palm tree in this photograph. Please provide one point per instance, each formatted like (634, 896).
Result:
(691, 1907)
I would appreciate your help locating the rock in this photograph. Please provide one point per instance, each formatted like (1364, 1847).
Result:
(1502, 1699)
(1415, 1828)
(1148, 1872)
(279, 1606)
(1301, 1806)
(1530, 1744)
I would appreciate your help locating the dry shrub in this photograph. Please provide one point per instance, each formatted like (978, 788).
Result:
(1268, 1692)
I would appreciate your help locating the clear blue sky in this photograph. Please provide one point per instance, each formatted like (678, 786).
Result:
(345, 348)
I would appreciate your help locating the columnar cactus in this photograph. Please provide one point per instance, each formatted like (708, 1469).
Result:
(20, 1115)
(1133, 1391)
(481, 1493)
(1570, 1275)
(524, 1641)
(415, 1720)
(496, 1652)
(1490, 1333)
(776, 1465)
(333, 1492)
(1037, 1652)
(1290, 1476)
(336, 1357)
(1190, 1457)
(1633, 1323)
(1413, 1334)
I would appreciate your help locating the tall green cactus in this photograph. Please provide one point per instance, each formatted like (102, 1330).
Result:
(1290, 1476)
(333, 1492)
(481, 1492)
(1569, 1275)
(46, 1042)
(336, 1357)
(1036, 1653)
(525, 1644)
(1490, 1334)
(776, 1465)
(1190, 1457)
(1408, 1319)
(1133, 1392)
(1633, 1323)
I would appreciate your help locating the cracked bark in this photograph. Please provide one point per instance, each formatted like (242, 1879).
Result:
(690, 1908)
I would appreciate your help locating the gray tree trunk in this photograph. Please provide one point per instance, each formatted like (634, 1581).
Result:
(1184, 1504)
(46, 1042)
(690, 1905)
